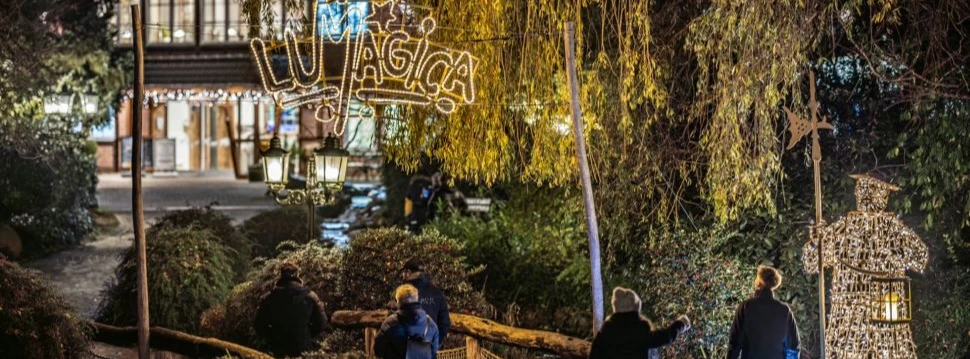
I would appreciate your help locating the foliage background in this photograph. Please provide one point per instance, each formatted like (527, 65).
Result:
(682, 103)
(52, 47)
(48, 185)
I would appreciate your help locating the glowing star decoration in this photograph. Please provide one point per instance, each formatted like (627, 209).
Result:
(389, 60)
(869, 251)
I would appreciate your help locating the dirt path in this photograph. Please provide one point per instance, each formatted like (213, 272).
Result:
(80, 273)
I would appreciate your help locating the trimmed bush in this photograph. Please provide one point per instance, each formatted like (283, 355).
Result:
(374, 258)
(35, 322)
(534, 251)
(189, 271)
(48, 184)
(685, 275)
(221, 227)
(360, 277)
(268, 229)
(233, 319)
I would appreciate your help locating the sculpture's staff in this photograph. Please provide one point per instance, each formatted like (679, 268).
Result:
(799, 128)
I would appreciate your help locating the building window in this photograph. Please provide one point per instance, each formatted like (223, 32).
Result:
(214, 20)
(238, 29)
(334, 18)
(222, 21)
(122, 19)
(289, 121)
(171, 21)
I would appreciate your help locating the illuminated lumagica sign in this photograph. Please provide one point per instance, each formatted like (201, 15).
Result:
(387, 60)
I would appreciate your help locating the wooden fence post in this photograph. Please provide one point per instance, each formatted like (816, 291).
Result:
(370, 335)
(471, 348)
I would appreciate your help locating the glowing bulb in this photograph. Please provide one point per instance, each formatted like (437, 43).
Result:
(891, 304)
(179, 34)
(274, 170)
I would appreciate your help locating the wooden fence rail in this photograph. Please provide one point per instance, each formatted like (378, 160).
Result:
(473, 327)
(176, 342)
(483, 329)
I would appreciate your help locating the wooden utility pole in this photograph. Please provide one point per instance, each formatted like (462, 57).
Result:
(592, 228)
(137, 201)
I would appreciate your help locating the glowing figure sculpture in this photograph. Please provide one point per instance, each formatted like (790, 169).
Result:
(869, 251)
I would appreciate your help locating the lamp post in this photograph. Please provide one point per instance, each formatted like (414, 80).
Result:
(326, 171)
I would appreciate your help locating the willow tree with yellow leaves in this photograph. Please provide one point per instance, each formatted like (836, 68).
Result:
(677, 97)
(682, 100)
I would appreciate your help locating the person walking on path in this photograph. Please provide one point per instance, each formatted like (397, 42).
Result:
(627, 334)
(432, 299)
(408, 333)
(764, 328)
(291, 319)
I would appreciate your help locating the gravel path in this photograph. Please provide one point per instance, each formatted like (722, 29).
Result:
(80, 273)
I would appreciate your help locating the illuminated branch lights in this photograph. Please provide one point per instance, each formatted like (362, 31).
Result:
(869, 251)
(381, 66)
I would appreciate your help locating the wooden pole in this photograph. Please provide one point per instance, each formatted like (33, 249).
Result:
(257, 143)
(592, 228)
(137, 201)
(233, 144)
(816, 163)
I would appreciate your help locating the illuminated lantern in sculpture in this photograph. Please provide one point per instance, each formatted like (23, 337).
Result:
(869, 251)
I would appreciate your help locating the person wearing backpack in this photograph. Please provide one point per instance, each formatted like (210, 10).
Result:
(408, 333)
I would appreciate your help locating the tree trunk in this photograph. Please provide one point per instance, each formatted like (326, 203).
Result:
(484, 329)
(175, 341)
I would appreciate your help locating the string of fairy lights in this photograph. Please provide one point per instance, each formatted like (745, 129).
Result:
(869, 251)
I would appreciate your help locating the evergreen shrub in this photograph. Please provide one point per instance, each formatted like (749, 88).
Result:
(374, 258)
(534, 252)
(189, 271)
(48, 185)
(270, 228)
(220, 225)
(36, 322)
(233, 319)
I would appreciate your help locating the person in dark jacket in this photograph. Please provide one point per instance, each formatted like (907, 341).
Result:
(291, 319)
(432, 299)
(626, 334)
(407, 331)
(417, 205)
(764, 328)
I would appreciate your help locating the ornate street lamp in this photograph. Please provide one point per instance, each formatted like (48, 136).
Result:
(331, 163)
(276, 163)
(325, 173)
